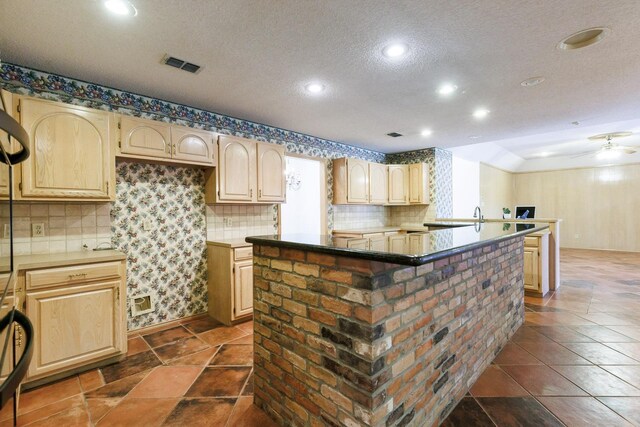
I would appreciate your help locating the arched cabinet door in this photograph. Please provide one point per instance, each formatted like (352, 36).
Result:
(193, 145)
(378, 184)
(271, 166)
(70, 148)
(145, 137)
(236, 169)
(398, 184)
(357, 181)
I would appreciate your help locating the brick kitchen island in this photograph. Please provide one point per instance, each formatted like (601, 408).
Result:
(351, 337)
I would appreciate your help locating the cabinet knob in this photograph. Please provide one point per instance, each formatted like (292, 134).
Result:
(77, 276)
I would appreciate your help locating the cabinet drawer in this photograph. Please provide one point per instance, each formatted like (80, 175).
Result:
(532, 242)
(69, 275)
(243, 253)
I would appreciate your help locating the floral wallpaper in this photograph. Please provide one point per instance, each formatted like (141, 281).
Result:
(169, 260)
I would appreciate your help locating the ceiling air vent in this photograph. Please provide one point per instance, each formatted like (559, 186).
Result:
(394, 134)
(179, 63)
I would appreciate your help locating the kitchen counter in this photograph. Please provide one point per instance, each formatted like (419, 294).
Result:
(29, 262)
(401, 228)
(442, 243)
(382, 338)
(229, 243)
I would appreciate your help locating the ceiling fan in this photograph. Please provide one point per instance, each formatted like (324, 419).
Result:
(609, 149)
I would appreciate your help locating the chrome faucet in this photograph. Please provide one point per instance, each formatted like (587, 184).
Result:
(477, 213)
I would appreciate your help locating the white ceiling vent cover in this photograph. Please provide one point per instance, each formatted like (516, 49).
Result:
(141, 304)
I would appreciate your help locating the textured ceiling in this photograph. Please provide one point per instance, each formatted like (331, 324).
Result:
(257, 55)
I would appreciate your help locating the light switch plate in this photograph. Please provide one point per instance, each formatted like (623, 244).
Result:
(147, 225)
(6, 231)
(37, 229)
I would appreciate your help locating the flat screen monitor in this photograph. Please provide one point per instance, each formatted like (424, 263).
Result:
(525, 212)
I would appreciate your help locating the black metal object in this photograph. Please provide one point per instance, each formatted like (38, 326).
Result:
(10, 385)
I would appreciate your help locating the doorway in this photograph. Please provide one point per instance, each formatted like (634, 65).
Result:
(306, 209)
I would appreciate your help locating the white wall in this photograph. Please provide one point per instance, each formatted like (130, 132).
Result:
(302, 212)
(466, 187)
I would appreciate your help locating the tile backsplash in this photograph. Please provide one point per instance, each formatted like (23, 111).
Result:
(400, 215)
(361, 216)
(240, 221)
(67, 226)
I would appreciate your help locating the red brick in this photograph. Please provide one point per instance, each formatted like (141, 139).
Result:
(322, 317)
(281, 265)
(269, 251)
(306, 269)
(336, 397)
(336, 306)
(306, 324)
(336, 275)
(322, 259)
(292, 254)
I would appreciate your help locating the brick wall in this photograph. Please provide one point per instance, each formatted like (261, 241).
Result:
(346, 342)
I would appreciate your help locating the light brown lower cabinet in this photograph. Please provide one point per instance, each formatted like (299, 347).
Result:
(536, 263)
(230, 281)
(78, 315)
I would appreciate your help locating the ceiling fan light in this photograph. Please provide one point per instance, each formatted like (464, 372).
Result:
(608, 154)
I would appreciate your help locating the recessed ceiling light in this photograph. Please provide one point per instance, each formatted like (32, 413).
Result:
(481, 113)
(584, 38)
(121, 7)
(447, 89)
(314, 88)
(533, 81)
(544, 154)
(395, 50)
(426, 132)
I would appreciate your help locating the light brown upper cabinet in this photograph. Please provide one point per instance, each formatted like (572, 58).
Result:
(145, 137)
(236, 169)
(271, 167)
(378, 183)
(192, 145)
(71, 156)
(350, 181)
(150, 139)
(418, 183)
(248, 172)
(398, 184)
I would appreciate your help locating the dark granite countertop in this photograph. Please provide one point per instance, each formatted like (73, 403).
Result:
(420, 248)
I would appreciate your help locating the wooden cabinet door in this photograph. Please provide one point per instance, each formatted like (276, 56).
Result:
(358, 244)
(378, 184)
(242, 288)
(74, 325)
(271, 167)
(357, 181)
(378, 243)
(531, 269)
(71, 153)
(236, 169)
(6, 143)
(398, 243)
(398, 184)
(145, 137)
(419, 243)
(418, 183)
(193, 145)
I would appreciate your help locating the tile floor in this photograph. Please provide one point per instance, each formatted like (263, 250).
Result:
(197, 373)
(575, 362)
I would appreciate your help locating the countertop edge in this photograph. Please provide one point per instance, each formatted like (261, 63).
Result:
(27, 262)
(411, 260)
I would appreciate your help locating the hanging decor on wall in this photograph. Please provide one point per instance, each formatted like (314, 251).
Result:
(292, 177)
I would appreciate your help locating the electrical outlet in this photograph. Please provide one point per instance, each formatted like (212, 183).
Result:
(577, 236)
(6, 231)
(147, 225)
(228, 222)
(37, 229)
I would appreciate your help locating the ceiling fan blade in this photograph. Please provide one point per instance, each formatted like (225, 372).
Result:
(629, 150)
(624, 148)
(588, 153)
